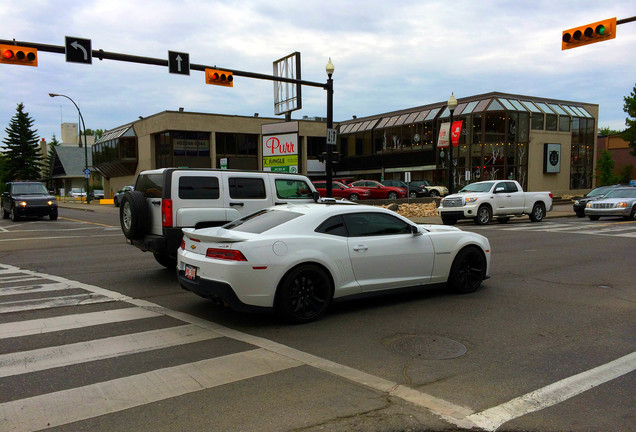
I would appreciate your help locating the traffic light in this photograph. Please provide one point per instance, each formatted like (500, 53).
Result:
(13, 54)
(588, 34)
(219, 77)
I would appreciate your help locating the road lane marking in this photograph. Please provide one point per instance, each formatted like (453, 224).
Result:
(67, 406)
(53, 302)
(553, 394)
(99, 349)
(68, 322)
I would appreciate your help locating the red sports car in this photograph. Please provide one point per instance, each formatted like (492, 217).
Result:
(378, 190)
(341, 190)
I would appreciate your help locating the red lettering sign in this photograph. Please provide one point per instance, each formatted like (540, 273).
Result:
(274, 145)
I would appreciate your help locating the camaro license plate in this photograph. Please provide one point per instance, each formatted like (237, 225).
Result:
(190, 272)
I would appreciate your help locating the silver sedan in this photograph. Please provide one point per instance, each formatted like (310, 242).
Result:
(617, 202)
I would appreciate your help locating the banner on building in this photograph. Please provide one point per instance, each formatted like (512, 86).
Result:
(446, 133)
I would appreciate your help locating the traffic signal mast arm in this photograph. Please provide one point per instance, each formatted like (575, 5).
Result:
(105, 55)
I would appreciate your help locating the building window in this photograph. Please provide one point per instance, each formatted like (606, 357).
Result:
(564, 124)
(551, 122)
(537, 121)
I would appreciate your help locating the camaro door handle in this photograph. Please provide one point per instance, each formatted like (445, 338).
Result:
(360, 248)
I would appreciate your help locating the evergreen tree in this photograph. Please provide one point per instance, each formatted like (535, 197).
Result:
(46, 171)
(629, 134)
(22, 152)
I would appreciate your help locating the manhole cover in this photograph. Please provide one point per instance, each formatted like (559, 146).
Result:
(427, 347)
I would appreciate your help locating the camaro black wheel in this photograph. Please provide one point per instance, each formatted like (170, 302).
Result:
(538, 213)
(468, 271)
(133, 215)
(484, 215)
(304, 294)
(392, 195)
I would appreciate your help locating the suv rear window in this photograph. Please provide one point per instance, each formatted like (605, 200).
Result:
(199, 187)
(292, 189)
(150, 185)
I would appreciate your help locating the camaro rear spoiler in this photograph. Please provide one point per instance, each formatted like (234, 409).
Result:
(216, 235)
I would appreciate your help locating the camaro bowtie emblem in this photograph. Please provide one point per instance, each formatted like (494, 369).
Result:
(193, 247)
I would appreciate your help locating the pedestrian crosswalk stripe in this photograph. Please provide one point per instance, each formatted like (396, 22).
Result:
(35, 288)
(67, 406)
(68, 322)
(52, 302)
(99, 349)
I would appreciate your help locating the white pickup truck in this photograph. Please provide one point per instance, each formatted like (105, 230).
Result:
(502, 199)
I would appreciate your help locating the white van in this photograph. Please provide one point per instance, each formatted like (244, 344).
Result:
(168, 199)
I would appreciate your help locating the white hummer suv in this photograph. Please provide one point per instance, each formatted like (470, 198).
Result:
(168, 199)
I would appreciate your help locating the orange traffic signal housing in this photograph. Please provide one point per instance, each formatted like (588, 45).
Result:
(13, 54)
(219, 77)
(588, 34)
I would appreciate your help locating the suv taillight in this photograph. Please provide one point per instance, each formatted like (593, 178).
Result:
(166, 212)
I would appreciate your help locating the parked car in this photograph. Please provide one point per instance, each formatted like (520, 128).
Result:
(76, 193)
(413, 191)
(120, 194)
(97, 194)
(433, 191)
(168, 199)
(579, 204)
(297, 259)
(617, 202)
(502, 199)
(378, 190)
(23, 198)
(341, 190)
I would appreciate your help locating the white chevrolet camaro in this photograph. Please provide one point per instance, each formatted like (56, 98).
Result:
(296, 259)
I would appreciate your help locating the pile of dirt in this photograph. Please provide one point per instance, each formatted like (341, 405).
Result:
(414, 210)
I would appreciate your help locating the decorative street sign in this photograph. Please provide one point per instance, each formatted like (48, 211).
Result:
(78, 50)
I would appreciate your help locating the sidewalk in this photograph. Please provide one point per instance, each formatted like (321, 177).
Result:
(558, 211)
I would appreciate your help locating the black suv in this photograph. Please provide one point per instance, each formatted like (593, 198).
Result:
(24, 198)
(579, 204)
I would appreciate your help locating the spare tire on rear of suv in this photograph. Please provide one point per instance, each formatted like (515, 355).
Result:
(133, 215)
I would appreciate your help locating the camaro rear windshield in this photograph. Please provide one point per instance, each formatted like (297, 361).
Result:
(261, 221)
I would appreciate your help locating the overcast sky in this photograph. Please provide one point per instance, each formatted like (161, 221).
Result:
(388, 55)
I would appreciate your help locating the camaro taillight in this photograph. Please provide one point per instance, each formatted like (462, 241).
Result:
(225, 254)
(166, 212)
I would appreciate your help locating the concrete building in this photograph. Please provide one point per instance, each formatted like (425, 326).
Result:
(545, 144)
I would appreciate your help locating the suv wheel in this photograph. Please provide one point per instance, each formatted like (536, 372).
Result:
(13, 215)
(133, 215)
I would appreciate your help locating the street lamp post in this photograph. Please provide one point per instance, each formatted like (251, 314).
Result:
(329, 69)
(88, 199)
(452, 104)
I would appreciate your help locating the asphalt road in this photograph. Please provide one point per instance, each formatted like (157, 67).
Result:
(547, 344)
